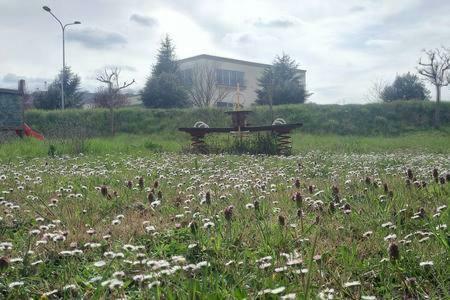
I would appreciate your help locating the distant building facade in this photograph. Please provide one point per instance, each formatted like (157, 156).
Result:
(229, 73)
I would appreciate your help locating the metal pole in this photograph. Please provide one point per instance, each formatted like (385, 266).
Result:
(64, 68)
(63, 28)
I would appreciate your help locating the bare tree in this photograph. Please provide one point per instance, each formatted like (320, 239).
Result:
(436, 71)
(203, 88)
(112, 98)
(375, 91)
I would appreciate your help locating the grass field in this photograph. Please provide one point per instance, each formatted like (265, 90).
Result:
(132, 217)
(426, 141)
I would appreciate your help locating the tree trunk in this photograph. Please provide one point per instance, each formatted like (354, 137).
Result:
(438, 107)
(113, 130)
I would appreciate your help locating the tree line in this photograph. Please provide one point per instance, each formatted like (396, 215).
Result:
(280, 83)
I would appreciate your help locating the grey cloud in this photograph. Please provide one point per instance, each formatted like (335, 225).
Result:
(14, 79)
(277, 23)
(96, 38)
(143, 20)
(123, 67)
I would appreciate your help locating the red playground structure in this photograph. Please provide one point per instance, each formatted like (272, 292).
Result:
(11, 112)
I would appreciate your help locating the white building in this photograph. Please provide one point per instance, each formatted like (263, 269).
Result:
(228, 73)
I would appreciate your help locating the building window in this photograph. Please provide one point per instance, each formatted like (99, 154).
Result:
(229, 78)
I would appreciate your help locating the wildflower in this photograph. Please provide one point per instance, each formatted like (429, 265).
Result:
(228, 212)
(278, 290)
(352, 284)
(249, 205)
(104, 190)
(280, 269)
(69, 287)
(115, 222)
(265, 265)
(393, 250)
(229, 263)
(297, 183)
(426, 263)
(409, 173)
(115, 283)
(435, 175)
(390, 237)
(208, 225)
(290, 296)
(193, 226)
(297, 197)
(281, 220)
(47, 294)
(15, 284)
(154, 283)
(129, 247)
(100, 264)
(256, 204)
(208, 197)
(129, 184)
(191, 246)
(150, 228)
(119, 274)
(151, 197)
(4, 262)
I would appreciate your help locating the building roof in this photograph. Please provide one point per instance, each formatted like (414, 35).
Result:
(8, 91)
(225, 59)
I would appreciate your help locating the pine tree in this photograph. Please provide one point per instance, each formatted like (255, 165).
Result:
(164, 88)
(281, 81)
(51, 99)
(166, 58)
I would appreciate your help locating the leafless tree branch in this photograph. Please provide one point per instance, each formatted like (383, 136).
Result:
(204, 90)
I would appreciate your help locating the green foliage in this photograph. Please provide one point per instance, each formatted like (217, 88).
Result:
(256, 143)
(364, 120)
(282, 81)
(163, 88)
(405, 87)
(166, 58)
(51, 150)
(51, 99)
(165, 91)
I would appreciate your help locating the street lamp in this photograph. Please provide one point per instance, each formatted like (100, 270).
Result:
(63, 28)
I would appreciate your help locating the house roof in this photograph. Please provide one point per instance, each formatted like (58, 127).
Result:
(225, 59)
(8, 91)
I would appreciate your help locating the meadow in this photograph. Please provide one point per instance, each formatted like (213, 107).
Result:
(344, 217)
(359, 211)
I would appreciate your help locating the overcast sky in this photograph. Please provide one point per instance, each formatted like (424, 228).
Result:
(345, 45)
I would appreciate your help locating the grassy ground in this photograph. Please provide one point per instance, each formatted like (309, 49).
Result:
(428, 141)
(86, 226)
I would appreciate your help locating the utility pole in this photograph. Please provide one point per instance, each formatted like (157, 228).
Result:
(63, 28)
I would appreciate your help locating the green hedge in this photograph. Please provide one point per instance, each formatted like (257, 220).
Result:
(370, 119)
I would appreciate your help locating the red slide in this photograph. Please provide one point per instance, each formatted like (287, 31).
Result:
(30, 132)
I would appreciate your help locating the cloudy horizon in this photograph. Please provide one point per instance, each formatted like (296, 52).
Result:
(345, 47)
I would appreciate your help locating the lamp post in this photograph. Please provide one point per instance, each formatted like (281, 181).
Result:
(63, 28)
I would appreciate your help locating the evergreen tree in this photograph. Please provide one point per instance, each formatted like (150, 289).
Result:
(51, 99)
(405, 87)
(166, 58)
(281, 81)
(164, 88)
(165, 91)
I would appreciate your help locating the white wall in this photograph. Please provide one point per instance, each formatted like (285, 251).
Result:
(251, 75)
